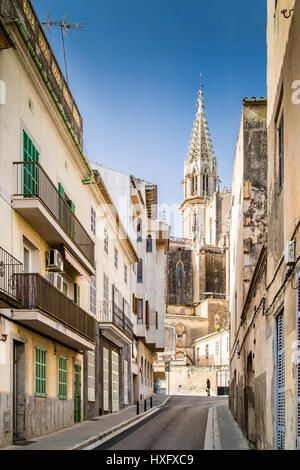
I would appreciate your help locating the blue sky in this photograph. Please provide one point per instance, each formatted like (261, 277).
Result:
(135, 69)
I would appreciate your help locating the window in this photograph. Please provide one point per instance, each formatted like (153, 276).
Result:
(116, 258)
(106, 241)
(125, 273)
(139, 230)
(93, 221)
(217, 348)
(26, 260)
(140, 271)
(205, 181)
(62, 377)
(156, 320)
(179, 272)
(30, 170)
(280, 382)
(149, 244)
(40, 372)
(93, 296)
(76, 294)
(91, 375)
(139, 311)
(207, 351)
(281, 153)
(210, 231)
(147, 314)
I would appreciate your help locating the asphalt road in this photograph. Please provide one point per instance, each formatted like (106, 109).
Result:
(180, 424)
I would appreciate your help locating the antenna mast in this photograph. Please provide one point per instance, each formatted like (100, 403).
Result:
(64, 27)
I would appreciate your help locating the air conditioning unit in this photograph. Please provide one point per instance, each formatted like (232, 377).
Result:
(54, 260)
(289, 253)
(56, 279)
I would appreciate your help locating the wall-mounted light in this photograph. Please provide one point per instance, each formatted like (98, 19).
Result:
(285, 14)
(3, 337)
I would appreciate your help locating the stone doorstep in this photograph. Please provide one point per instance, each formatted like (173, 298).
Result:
(112, 430)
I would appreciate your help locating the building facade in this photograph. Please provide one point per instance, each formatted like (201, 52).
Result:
(248, 237)
(265, 349)
(47, 245)
(136, 203)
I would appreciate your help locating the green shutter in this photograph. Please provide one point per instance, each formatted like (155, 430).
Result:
(62, 377)
(30, 171)
(72, 206)
(40, 372)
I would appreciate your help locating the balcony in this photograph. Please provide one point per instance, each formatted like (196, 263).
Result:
(9, 268)
(114, 323)
(38, 201)
(47, 310)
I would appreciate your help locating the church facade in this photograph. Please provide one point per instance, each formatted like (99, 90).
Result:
(196, 266)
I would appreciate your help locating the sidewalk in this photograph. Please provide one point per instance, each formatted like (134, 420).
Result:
(81, 435)
(222, 432)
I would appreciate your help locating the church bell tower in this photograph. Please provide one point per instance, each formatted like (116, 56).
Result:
(200, 176)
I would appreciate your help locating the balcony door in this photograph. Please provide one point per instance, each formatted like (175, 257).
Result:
(115, 381)
(105, 379)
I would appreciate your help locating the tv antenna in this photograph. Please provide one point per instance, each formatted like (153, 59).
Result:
(64, 28)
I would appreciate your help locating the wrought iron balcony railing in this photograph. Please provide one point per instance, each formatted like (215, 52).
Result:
(34, 183)
(9, 267)
(111, 313)
(35, 292)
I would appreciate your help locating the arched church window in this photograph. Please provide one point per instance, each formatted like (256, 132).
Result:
(179, 272)
(210, 231)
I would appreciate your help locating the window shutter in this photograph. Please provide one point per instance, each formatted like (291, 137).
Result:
(298, 362)
(72, 206)
(61, 190)
(280, 383)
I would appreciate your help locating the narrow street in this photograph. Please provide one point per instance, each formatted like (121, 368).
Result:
(180, 424)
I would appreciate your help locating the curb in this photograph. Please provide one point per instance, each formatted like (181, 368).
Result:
(212, 434)
(109, 431)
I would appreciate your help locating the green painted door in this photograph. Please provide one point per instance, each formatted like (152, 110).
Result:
(30, 170)
(77, 393)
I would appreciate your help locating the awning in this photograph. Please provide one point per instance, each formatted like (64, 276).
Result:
(70, 258)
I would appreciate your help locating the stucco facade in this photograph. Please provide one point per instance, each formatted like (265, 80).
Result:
(45, 318)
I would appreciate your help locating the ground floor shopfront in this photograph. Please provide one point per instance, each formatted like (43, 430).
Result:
(108, 384)
(40, 383)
